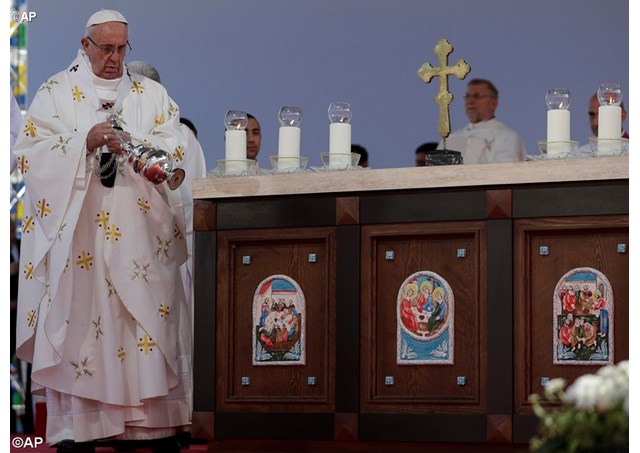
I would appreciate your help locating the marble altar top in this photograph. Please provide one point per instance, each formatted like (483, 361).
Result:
(410, 178)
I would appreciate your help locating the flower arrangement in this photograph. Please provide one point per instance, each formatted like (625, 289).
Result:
(591, 415)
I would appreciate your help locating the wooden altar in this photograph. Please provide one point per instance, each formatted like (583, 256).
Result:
(349, 239)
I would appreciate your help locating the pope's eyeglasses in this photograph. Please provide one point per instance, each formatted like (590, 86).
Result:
(110, 50)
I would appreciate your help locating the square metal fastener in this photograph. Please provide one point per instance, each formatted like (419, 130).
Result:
(246, 259)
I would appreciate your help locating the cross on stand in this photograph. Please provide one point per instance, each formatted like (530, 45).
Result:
(444, 97)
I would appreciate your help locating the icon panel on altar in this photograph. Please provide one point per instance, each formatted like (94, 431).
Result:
(279, 321)
(425, 318)
(583, 318)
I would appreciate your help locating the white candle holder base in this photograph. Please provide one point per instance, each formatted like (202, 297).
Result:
(345, 161)
(234, 167)
(609, 147)
(558, 150)
(288, 164)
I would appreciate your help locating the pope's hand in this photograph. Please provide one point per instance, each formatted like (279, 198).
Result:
(102, 134)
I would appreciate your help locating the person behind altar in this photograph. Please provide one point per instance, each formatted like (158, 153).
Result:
(194, 165)
(254, 137)
(187, 122)
(485, 139)
(364, 155)
(101, 303)
(594, 108)
(422, 151)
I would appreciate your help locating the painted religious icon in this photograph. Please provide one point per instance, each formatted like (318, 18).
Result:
(425, 314)
(278, 322)
(583, 318)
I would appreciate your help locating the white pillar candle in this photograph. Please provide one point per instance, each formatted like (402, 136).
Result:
(609, 128)
(339, 145)
(288, 147)
(558, 130)
(235, 151)
(609, 121)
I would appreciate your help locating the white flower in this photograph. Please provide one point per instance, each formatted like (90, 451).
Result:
(606, 395)
(619, 371)
(554, 386)
(606, 392)
(601, 391)
(624, 367)
(582, 393)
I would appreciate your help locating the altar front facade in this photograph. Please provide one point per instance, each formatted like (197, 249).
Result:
(404, 304)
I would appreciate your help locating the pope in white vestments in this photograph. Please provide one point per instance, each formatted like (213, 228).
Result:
(101, 301)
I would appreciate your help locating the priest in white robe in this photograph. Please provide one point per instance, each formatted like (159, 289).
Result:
(194, 165)
(101, 300)
(485, 139)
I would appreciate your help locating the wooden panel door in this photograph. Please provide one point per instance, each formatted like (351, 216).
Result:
(455, 251)
(245, 259)
(545, 250)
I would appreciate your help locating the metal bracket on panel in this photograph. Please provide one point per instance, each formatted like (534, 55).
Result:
(388, 380)
(544, 250)
(246, 259)
(389, 255)
(622, 248)
(461, 380)
(312, 257)
(246, 380)
(461, 253)
(544, 380)
(311, 380)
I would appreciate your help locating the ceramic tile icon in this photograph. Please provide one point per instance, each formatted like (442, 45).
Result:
(583, 318)
(279, 322)
(425, 320)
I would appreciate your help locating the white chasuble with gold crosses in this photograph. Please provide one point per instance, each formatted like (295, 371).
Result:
(101, 312)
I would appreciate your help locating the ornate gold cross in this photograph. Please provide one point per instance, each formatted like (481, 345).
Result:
(444, 97)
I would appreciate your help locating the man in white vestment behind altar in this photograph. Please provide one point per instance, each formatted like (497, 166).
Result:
(194, 166)
(101, 305)
(485, 139)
